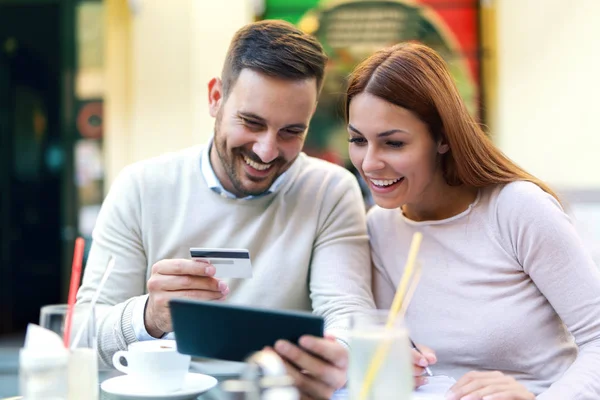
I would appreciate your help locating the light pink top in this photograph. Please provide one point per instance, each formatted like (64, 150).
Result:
(507, 285)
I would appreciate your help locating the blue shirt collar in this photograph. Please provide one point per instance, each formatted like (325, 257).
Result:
(215, 185)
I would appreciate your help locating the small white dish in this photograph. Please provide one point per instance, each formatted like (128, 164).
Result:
(194, 386)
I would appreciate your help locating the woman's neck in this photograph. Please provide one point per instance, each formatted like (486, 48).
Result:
(441, 202)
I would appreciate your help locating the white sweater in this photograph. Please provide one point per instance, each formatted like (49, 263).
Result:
(307, 240)
(506, 285)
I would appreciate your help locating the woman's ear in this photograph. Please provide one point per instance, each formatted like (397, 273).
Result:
(443, 147)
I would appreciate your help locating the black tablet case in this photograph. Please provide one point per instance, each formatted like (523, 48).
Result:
(228, 332)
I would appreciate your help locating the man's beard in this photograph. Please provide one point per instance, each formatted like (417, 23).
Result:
(230, 161)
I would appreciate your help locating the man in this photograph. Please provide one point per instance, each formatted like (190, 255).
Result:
(301, 218)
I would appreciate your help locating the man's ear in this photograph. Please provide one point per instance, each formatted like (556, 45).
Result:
(215, 96)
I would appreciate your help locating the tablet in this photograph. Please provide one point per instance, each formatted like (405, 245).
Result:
(228, 332)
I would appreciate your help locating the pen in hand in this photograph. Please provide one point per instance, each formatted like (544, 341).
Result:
(414, 346)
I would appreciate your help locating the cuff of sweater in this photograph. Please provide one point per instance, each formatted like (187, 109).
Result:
(113, 334)
(340, 334)
(127, 316)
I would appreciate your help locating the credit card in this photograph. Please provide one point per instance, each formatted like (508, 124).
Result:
(229, 263)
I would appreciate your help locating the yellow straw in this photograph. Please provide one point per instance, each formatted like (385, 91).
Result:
(399, 298)
(411, 290)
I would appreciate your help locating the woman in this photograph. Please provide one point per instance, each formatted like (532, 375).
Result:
(509, 300)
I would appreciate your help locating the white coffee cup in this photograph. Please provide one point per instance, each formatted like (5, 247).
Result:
(154, 366)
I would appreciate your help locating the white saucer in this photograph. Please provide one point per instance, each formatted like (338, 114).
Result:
(219, 368)
(195, 384)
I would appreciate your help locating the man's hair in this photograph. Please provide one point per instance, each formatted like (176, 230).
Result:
(274, 48)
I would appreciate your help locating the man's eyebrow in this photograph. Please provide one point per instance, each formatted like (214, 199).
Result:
(260, 119)
(296, 126)
(252, 116)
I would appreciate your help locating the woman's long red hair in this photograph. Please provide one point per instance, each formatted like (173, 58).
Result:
(415, 77)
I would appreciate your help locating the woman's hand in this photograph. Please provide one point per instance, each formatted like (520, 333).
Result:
(488, 385)
(420, 361)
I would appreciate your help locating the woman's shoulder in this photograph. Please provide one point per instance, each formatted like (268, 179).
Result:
(522, 206)
(520, 189)
(521, 197)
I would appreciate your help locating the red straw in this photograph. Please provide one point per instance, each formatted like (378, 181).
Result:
(75, 279)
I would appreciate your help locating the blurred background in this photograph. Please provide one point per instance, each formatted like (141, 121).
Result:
(89, 86)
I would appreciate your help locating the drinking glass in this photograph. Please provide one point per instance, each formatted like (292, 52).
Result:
(83, 358)
(369, 336)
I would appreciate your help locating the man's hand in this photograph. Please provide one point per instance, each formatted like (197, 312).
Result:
(318, 366)
(420, 361)
(171, 279)
(488, 385)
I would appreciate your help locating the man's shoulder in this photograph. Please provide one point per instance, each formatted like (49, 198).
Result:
(165, 165)
(314, 180)
(317, 168)
(172, 159)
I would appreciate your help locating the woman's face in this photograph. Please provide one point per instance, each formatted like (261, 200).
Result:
(394, 152)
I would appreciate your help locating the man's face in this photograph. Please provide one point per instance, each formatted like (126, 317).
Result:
(259, 129)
